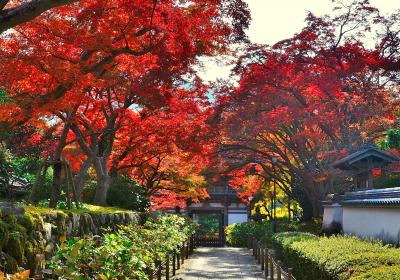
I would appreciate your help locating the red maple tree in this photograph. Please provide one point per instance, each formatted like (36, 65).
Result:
(91, 63)
(307, 101)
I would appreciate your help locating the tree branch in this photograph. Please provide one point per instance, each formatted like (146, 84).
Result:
(28, 11)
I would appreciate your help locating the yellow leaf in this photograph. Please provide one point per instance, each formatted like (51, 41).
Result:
(102, 277)
(75, 250)
(63, 238)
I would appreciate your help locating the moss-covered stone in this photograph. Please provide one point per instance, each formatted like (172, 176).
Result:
(31, 249)
(8, 263)
(21, 229)
(4, 234)
(15, 247)
(27, 221)
(10, 219)
(39, 230)
(61, 224)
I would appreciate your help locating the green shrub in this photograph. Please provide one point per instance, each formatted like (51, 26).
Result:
(127, 194)
(126, 254)
(388, 181)
(336, 257)
(380, 273)
(237, 235)
(89, 191)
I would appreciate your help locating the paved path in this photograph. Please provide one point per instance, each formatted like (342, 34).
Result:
(220, 264)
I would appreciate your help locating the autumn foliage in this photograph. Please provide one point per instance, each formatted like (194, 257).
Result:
(307, 101)
(115, 80)
(110, 86)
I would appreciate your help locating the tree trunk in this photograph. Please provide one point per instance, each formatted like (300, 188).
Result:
(103, 185)
(56, 184)
(103, 181)
(81, 178)
(316, 207)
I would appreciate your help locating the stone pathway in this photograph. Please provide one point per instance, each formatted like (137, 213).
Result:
(220, 264)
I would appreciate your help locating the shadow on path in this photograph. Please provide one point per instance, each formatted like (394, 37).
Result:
(220, 263)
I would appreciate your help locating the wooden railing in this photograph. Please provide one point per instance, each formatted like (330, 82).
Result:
(272, 267)
(164, 269)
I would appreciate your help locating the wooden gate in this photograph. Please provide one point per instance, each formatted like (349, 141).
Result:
(211, 231)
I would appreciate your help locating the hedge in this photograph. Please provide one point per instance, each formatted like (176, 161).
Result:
(237, 235)
(337, 257)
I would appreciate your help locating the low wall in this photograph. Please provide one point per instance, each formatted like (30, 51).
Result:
(372, 222)
(332, 219)
(28, 238)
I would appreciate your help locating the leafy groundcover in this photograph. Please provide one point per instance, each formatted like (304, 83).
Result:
(337, 257)
(128, 253)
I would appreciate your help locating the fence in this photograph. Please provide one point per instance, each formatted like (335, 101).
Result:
(272, 268)
(168, 267)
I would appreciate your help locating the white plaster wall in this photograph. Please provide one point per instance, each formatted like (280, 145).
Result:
(373, 222)
(332, 214)
(234, 218)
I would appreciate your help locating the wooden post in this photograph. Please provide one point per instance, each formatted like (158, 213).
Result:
(289, 273)
(262, 258)
(254, 247)
(183, 253)
(266, 258)
(259, 252)
(279, 272)
(187, 249)
(191, 245)
(256, 250)
(271, 266)
(173, 263)
(150, 274)
(167, 268)
(159, 270)
(178, 260)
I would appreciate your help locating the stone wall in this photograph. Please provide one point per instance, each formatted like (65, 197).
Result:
(28, 238)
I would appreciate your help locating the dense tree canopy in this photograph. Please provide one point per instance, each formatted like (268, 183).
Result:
(307, 101)
(110, 87)
(116, 80)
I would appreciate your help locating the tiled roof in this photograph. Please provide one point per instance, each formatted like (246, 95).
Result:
(389, 196)
(367, 151)
(381, 201)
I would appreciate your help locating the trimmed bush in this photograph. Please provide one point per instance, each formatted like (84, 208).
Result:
(237, 235)
(380, 273)
(336, 257)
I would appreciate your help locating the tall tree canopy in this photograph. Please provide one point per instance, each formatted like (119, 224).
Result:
(307, 101)
(94, 67)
